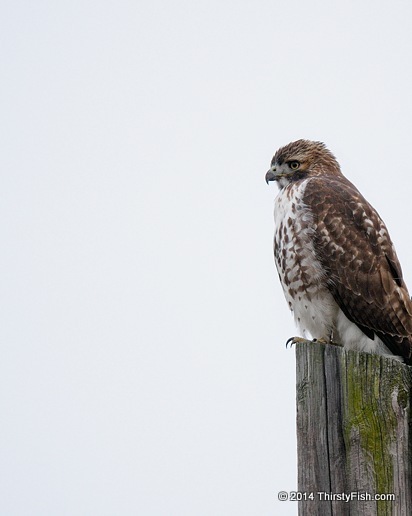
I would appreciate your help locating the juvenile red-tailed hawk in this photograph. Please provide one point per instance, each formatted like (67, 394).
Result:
(335, 259)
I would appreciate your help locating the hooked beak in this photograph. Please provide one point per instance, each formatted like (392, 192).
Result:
(270, 175)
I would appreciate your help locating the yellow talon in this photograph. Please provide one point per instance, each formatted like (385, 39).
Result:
(296, 340)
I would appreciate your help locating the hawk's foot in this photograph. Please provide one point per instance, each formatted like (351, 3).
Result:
(327, 341)
(300, 340)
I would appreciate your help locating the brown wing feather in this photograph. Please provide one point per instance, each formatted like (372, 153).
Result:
(363, 272)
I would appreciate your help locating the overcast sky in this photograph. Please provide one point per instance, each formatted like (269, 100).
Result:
(143, 369)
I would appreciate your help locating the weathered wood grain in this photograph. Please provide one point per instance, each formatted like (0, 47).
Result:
(354, 431)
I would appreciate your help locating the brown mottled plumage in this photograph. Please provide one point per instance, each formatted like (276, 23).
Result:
(335, 259)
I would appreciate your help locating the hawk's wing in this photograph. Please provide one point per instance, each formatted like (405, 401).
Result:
(363, 271)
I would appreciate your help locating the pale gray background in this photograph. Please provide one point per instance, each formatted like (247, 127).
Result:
(143, 369)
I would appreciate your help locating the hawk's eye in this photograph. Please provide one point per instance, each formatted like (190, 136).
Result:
(294, 165)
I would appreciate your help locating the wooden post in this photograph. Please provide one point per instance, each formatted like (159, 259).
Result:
(354, 432)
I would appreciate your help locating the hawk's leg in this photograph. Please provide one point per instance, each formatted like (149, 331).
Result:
(329, 341)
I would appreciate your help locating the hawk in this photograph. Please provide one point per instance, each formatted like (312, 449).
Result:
(334, 256)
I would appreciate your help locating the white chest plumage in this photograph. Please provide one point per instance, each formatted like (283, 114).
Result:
(300, 272)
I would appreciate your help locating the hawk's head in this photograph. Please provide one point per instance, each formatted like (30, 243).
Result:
(301, 159)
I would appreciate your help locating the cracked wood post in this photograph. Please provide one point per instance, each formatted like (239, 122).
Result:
(354, 431)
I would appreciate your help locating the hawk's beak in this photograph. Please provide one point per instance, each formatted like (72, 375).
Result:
(270, 175)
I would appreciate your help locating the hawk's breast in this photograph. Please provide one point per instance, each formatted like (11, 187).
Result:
(301, 273)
